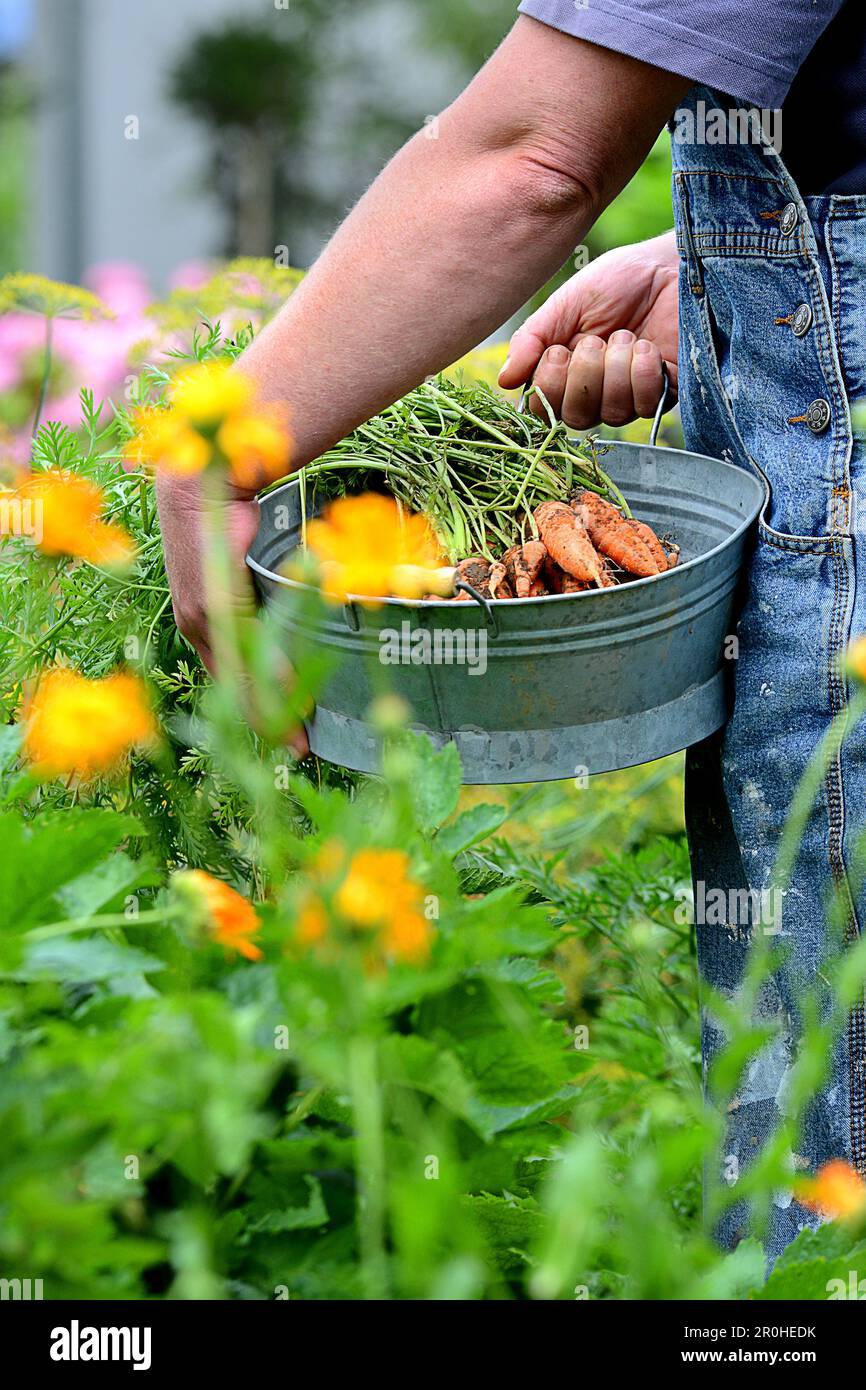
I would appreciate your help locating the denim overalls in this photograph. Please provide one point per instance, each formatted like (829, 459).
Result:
(772, 354)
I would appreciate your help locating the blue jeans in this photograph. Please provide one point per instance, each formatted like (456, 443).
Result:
(772, 353)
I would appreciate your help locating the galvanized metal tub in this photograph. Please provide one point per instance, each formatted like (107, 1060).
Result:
(573, 684)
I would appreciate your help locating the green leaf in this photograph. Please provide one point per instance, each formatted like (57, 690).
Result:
(100, 888)
(470, 827)
(435, 783)
(82, 960)
(817, 1265)
(39, 858)
(413, 1061)
(511, 1225)
(278, 1217)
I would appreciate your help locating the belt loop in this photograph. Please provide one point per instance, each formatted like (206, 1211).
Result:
(696, 279)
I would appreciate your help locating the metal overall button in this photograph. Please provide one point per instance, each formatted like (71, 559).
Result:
(802, 320)
(789, 219)
(818, 416)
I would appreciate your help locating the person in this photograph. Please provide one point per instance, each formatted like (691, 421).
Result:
(754, 303)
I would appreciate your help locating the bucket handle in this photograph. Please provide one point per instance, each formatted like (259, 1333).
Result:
(661, 409)
(662, 405)
(489, 613)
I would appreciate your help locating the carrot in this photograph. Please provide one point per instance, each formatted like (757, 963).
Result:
(614, 536)
(558, 582)
(537, 589)
(567, 541)
(523, 563)
(652, 542)
(497, 584)
(474, 571)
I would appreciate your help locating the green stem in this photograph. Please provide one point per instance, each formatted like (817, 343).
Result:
(103, 923)
(370, 1163)
(46, 373)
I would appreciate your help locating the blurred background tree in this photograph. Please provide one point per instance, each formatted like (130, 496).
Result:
(255, 89)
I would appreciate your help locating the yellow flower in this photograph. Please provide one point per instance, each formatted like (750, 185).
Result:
(225, 915)
(162, 440)
(855, 659)
(208, 393)
(376, 887)
(63, 516)
(368, 548)
(249, 287)
(837, 1190)
(85, 727)
(256, 446)
(22, 292)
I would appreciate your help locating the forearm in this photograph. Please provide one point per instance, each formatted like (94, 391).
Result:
(437, 255)
(459, 230)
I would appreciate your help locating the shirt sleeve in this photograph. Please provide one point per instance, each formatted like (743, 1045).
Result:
(748, 49)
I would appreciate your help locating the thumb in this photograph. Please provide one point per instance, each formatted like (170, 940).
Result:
(557, 321)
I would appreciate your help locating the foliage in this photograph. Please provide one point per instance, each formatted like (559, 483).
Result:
(516, 1113)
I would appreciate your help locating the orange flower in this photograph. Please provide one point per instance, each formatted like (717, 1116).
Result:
(62, 514)
(376, 887)
(835, 1191)
(85, 727)
(312, 925)
(256, 446)
(163, 440)
(227, 917)
(407, 937)
(367, 547)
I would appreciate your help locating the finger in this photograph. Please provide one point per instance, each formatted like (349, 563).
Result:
(617, 401)
(551, 376)
(557, 321)
(582, 404)
(646, 378)
(673, 381)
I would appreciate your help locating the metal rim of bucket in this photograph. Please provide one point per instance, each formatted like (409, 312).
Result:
(492, 604)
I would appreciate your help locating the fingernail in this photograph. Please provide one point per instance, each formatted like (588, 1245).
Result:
(621, 337)
(591, 345)
(504, 368)
(643, 346)
(558, 356)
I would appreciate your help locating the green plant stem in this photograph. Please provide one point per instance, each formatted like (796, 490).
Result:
(46, 373)
(370, 1165)
(103, 923)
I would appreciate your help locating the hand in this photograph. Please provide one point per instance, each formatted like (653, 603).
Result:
(597, 345)
(180, 514)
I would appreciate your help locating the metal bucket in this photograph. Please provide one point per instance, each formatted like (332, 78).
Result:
(575, 683)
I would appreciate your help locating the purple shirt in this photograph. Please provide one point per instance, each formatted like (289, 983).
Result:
(806, 56)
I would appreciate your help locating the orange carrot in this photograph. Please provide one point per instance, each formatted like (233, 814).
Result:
(652, 542)
(558, 582)
(567, 541)
(523, 563)
(497, 584)
(614, 537)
